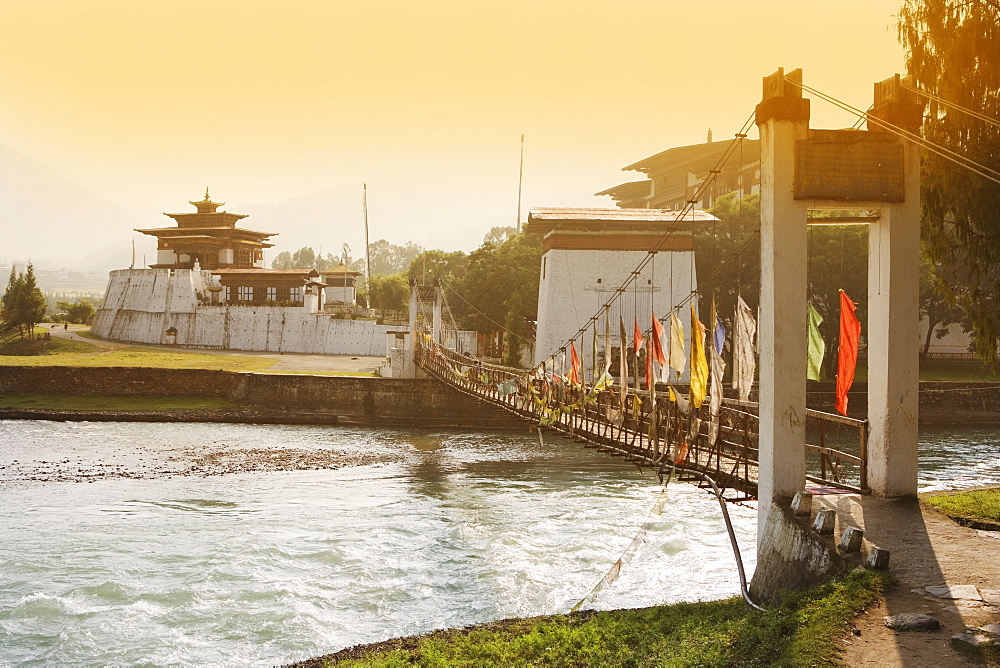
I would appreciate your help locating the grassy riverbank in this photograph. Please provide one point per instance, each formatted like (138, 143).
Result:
(978, 508)
(15, 351)
(805, 630)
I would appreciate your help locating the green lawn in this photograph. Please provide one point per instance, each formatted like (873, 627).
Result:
(971, 370)
(94, 402)
(803, 631)
(140, 357)
(15, 351)
(15, 346)
(982, 505)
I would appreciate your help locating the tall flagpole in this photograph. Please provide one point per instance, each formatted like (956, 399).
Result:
(368, 258)
(520, 180)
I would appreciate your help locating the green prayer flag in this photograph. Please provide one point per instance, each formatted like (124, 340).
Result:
(816, 347)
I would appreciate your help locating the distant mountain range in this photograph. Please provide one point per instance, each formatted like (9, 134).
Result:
(56, 223)
(52, 221)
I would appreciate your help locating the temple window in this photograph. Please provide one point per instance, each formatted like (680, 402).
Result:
(245, 293)
(272, 294)
(296, 294)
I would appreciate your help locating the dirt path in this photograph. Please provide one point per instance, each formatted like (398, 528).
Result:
(928, 550)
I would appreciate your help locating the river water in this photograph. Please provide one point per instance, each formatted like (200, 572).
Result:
(127, 543)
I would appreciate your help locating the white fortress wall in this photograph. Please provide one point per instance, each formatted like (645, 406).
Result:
(141, 304)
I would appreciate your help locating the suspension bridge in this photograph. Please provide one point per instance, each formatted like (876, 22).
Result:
(775, 449)
(651, 428)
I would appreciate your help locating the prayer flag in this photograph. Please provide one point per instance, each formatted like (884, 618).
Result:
(744, 359)
(699, 364)
(816, 348)
(677, 357)
(656, 340)
(607, 339)
(622, 359)
(720, 335)
(574, 364)
(637, 339)
(847, 351)
(717, 367)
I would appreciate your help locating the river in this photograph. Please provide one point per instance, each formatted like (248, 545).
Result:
(128, 543)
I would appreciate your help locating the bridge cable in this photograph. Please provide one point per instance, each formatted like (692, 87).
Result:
(952, 156)
(953, 105)
(633, 276)
(640, 537)
(470, 305)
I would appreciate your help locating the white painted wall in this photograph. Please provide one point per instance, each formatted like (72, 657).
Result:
(569, 293)
(141, 304)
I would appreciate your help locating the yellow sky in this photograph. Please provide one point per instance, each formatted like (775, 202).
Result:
(146, 102)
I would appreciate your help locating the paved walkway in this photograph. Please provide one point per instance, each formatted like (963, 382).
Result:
(285, 362)
(928, 550)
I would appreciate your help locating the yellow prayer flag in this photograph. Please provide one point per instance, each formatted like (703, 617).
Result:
(699, 363)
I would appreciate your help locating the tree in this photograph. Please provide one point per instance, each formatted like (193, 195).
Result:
(23, 302)
(498, 235)
(935, 308)
(433, 264)
(307, 258)
(389, 258)
(81, 311)
(500, 291)
(389, 293)
(304, 258)
(282, 261)
(727, 256)
(951, 51)
(838, 260)
(733, 241)
(10, 299)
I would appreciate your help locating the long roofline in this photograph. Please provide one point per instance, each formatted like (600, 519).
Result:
(683, 154)
(153, 230)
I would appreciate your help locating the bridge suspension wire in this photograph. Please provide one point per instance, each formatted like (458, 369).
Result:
(640, 538)
(735, 143)
(953, 105)
(957, 158)
(715, 274)
(470, 305)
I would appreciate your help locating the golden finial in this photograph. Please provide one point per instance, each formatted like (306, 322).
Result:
(207, 198)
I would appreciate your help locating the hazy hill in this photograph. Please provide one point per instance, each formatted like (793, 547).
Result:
(53, 221)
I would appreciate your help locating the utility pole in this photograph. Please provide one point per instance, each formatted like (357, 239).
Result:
(368, 257)
(520, 180)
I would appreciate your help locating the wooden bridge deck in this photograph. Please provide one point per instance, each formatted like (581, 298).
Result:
(655, 432)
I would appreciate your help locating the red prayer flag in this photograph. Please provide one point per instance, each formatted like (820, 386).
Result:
(847, 351)
(636, 336)
(657, 342)
(574, 364)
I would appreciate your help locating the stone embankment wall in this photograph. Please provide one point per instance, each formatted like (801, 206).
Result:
(140, 305)
(385, 401)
